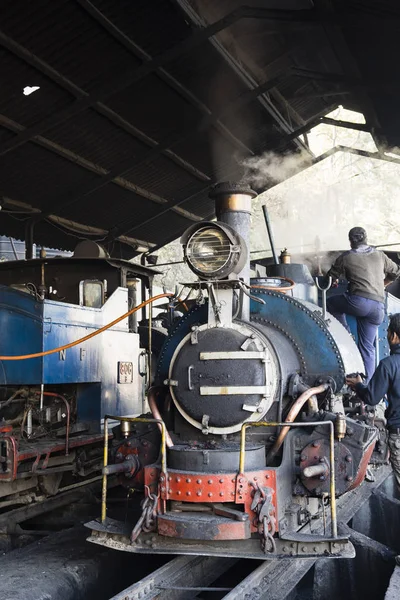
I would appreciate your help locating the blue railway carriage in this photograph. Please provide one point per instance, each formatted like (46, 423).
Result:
(52, 406)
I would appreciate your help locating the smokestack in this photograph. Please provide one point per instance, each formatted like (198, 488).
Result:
(233, 207)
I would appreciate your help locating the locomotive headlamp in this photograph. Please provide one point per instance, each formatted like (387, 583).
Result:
(214, 250)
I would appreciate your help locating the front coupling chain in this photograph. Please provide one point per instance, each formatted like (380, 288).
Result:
(148, 519)
(262, 505)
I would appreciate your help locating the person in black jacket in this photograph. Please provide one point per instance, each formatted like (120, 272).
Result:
(386, 382)
(365, 268)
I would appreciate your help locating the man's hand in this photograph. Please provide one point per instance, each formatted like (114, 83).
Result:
(335, 283)
(352, 381)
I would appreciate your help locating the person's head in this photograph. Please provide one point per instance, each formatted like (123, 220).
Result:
(357, 237)
(393, 332)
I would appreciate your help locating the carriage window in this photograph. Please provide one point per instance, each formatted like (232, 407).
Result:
(92, 293)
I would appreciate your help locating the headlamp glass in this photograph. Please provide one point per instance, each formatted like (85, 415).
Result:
(208, 250)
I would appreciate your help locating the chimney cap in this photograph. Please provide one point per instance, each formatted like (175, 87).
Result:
(230, 187)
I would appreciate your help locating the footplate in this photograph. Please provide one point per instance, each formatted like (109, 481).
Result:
(115, 534)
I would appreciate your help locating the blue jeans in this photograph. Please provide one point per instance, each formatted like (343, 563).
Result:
(369, 315)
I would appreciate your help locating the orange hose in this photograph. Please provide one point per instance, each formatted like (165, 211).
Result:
(90, 335)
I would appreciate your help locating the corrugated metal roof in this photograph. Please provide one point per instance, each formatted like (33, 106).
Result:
(140, 110)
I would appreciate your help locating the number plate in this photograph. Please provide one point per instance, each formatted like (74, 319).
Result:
(125, 372)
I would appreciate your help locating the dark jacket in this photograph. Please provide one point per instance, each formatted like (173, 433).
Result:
(385, 380)
(365, 268)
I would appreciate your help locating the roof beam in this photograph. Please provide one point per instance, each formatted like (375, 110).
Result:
(327, 121)
(93, 167)
(125, 166)
(326, 10)
(349, 82)
(132, 47)
(246, 77)
(27, 133)
(313, 161)
(233, 106)
(319, 94)
(70, 227)
(116, 83)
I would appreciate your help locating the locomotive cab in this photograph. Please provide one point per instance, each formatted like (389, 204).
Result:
(255, 446)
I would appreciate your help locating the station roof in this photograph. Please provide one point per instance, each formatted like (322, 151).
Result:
(143, 105)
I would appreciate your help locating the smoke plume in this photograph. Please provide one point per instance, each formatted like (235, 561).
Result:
(271, 168)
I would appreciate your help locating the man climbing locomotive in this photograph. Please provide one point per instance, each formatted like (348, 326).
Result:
(366, 269)
(248, 398)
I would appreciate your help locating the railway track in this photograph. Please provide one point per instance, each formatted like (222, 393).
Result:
(188, 577)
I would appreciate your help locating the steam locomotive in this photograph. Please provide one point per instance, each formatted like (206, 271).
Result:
(51, 405)
(252, 433)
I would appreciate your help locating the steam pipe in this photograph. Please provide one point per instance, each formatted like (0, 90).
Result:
(293, 412)
(151, 398)
(270, 236)
(131, 465)
(315, 470)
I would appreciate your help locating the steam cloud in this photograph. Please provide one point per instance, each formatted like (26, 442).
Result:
(271, 168)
